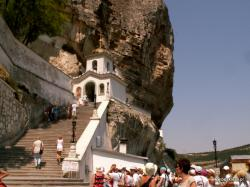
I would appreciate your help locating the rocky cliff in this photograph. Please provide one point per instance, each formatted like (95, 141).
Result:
(125, 122)
(140, 37)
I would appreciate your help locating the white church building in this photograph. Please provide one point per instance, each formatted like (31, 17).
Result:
(101, 83)
(101, 80)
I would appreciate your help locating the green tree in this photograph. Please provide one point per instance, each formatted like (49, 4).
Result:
(28, 19)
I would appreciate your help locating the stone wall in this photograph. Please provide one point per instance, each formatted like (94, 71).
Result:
(30, 70)
(13, 116)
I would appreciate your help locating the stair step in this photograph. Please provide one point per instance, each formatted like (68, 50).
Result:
(18, 159)
(43, 182)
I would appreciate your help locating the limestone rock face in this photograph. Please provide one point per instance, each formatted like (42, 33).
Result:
(137, 127)
(139, 36)
(66, 62)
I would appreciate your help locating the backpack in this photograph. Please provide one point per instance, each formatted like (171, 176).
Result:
(121, 182)
(146, 184)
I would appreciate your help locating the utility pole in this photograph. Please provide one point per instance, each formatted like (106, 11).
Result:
(73, 140)
(215, 152)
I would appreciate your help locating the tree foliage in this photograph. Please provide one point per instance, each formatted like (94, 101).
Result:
(28, 19)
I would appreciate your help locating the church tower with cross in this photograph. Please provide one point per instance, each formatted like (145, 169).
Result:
(101, 81)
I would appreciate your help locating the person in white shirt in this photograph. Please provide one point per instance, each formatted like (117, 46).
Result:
(37, 150)
(74, 106)
(116, 177)
(164, 179)
(129, 181)
(59, 149)
(201, 181)
(135, 175)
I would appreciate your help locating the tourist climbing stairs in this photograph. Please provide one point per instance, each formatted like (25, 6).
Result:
(17, 160)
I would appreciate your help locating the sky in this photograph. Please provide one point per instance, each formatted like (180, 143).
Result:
(212, 75)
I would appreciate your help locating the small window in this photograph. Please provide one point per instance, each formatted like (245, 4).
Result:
(114, 67)
(94, 65)
(108, 66)
(107, 87)
(101, 88)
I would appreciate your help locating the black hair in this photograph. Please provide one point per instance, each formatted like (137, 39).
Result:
(184, 165)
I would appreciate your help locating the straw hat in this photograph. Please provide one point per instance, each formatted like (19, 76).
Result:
(241, 173)
(211, 171)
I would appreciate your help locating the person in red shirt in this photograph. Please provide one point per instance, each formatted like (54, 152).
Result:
(2, 175)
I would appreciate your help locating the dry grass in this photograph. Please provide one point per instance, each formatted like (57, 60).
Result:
(4, 74)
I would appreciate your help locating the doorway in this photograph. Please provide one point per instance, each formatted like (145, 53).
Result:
(90, 91)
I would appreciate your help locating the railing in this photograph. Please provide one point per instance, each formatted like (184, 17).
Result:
(94, 136)
(95, 128)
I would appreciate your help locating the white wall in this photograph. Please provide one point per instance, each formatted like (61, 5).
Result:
(101, 64)
(239, 166)
(96, 127)
(97, 82)
(107, 60)
(107, 158)
(31, 70)
(118, 90)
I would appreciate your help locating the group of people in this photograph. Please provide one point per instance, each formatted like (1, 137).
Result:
(52, 113)
(196, 176)
(184, 175)
(38, 148)
(132, 177)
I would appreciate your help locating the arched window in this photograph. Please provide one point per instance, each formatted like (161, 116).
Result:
(94, 65)
(78, 93)
(101, 89)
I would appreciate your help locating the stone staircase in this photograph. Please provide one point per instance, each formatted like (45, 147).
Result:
(18, 160)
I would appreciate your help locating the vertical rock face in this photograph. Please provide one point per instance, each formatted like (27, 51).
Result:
(139, 35)
(137, 127)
